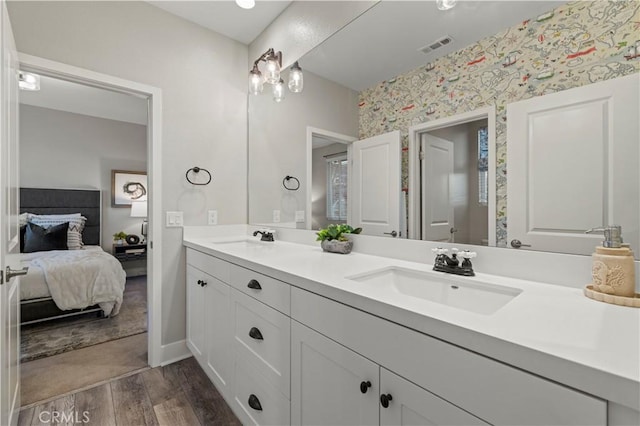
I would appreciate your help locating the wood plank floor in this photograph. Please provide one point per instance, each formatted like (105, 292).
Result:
(178, 394)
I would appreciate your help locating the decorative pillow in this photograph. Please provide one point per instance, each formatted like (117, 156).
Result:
(76, 226)
(38, 238)
(23, 219)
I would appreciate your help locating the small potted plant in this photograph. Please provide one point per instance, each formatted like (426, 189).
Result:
(119, 237)
(334, 238)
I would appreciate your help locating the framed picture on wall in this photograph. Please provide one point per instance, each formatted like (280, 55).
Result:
(127, 186)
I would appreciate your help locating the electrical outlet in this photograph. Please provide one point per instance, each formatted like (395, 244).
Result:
(212, 217)
(174, 219)
(299, 216)
(276, 216)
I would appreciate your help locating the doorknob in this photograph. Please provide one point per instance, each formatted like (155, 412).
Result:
(453, 230)
(517, 244)
(392, 233)
(10, 273)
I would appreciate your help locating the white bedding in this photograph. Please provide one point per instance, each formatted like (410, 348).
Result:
(74, 278)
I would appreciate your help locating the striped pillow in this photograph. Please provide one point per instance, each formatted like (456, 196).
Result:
(76, 226)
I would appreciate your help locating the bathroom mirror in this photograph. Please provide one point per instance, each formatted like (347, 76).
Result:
(426, 67)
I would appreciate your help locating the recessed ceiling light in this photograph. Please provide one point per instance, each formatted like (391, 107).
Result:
(444, 4)
(246, 4)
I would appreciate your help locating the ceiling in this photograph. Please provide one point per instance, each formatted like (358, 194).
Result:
(80, 99)
(385, 41)
(225, 17)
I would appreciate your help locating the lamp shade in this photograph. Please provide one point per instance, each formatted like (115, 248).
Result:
(139, 209)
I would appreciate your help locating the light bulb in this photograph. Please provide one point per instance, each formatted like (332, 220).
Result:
(256, 83)
(246, 4)
(445, 4)
(278, 91)
(296, 81)
(272, 70)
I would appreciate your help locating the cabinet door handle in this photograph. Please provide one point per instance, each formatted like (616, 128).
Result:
(364, 386)
(385, 399)
(254, 284)
(254, 333)
(254, 403)
(200, 283)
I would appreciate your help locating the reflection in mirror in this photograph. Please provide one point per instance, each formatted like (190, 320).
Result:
(517, 51)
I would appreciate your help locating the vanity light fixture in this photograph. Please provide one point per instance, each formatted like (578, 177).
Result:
(296, 82)
(445, 4)
(28, 81)
(278, 91)
(246, 4)
(271, 74)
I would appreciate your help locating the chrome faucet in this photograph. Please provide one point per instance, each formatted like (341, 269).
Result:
(266, 235)
(451, 264)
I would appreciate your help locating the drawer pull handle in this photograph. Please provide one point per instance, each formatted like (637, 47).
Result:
(254, 284)
(254, 333)
(254, 403)
(385, 399)
(364, 386)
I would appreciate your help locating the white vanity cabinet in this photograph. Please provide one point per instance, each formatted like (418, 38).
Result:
(282, 355)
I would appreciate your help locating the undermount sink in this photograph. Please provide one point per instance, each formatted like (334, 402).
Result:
(241, 241)
(457, 292)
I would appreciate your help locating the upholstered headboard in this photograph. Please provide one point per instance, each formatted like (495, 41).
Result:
(64, 201)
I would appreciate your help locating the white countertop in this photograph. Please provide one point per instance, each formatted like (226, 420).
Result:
(553, 331)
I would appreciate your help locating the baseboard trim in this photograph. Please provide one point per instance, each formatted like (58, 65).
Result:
(174, 352)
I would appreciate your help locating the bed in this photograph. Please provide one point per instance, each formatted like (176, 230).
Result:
(62, 283)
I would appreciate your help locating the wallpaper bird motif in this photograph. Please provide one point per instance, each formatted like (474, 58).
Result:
(574, 45)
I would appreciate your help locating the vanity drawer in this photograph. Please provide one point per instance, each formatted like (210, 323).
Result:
(262, 336)
(274, 408)
(488, 389)
(268, 290)
(211, 265)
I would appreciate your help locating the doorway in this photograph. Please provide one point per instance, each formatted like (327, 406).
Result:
(151, 97)
(452, 179)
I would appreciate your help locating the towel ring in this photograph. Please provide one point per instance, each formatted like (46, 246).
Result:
(197, 170)
(287, 179)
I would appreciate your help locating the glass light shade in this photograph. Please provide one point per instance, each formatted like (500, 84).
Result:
(28, 81)
(296, 82)
(246, 4)
(256, 83)
(445, 4)
(139, 209)
(278, 91)
(272, 71)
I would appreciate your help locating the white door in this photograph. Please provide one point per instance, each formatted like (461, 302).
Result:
(374, 201)
(196, 313)
(572, 162)
(437, 175)
(330, 384)
(218, 332)
(9, 229)
(403, 403)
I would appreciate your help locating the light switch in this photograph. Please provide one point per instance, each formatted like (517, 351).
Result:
(174, 219)
(299, 216)
(212, 217)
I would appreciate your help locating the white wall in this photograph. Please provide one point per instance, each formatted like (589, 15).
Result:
(64, 150)
(203, 77)
(278, 140)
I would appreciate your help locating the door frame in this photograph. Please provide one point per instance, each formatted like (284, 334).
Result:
(335, 137)
(414, 164)
(154, 171)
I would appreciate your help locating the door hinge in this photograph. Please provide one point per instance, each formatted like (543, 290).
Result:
(421, 155)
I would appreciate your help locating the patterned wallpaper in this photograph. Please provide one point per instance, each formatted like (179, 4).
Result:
(571, 46)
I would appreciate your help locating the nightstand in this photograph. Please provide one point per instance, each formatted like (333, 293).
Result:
(133, 258)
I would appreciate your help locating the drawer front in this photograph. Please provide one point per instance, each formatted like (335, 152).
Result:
(268, 290)
(211, 265)
(488, 389)
(252, 389)
(262, 335)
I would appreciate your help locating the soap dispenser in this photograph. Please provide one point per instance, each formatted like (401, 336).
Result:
(613, 268)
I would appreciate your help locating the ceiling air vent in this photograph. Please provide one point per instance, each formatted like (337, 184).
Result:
(436, 44)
